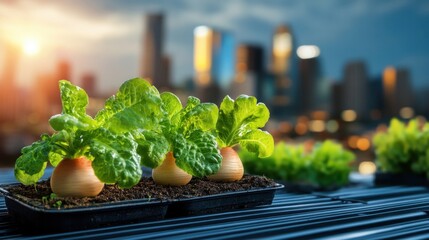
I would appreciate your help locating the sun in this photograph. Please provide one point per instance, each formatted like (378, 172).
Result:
(30, 47)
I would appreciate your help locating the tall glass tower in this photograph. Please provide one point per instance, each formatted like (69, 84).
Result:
(283, 72)
(153, 59)
(213, 62)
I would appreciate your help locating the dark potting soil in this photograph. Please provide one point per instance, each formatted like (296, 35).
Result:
(41, 194)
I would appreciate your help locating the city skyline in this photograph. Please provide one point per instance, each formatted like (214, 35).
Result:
(390, 34)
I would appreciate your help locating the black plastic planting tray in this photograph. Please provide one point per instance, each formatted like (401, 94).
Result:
(222, 202)
(40, 219)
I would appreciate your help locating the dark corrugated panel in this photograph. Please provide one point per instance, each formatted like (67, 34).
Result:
(349, 213)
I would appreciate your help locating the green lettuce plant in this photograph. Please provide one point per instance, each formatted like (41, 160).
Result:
(327, 165)
(187, 134)
(137, 126)
(239, 123)
(404, 148)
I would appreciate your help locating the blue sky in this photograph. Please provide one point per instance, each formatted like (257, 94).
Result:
(104, 36)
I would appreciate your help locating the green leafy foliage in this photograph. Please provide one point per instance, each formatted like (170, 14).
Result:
(197, 153)
(239, 123)
(152, 147)
(137, 105)
(404, 148)
(30, 166)
(74, 101)
(327, 165)
(188, 132)
(137, 126)
(105, 140)
(115, 158)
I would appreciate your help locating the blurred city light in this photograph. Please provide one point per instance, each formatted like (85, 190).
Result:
(332, 126)
(301, 128)
(389, 79)
(363, 144)
(367, 168)
(285, 127)
(349, 115)
(308, 51)
(282, 44)
(406, 112)
(352, 141)
(317, 126)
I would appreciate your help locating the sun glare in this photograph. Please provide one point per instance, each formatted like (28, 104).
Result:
(30, 47)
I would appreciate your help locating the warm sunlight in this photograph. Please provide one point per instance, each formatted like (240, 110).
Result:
(30, 47)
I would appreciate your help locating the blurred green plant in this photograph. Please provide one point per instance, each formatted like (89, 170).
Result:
(326, 166)
(404, 148)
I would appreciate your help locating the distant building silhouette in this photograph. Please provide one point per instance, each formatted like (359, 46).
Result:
(11, 98)
(355, 90)
(43, 92)
(63, 70)
(153, 59)
(313, 88)
(89, 83)
(336, 99)
(375, 98)
(249, 70)
(213, 62)
(283, 70)
(166, 73)
(421, 101)
(397, 90)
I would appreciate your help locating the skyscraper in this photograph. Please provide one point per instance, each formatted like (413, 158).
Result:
(283, 72)
(397, 90)
(313, 88)
(213, 62)
(88, 82)
(355, 91)
(248, 71)
(153, 51)
(10, 96)
(11, 58)
(375, 98)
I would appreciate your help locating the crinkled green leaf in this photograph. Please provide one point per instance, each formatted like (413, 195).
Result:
(115, 158)
(259, 142)
(152, 148)
(203, 116)
(136, 105)
(197, 154)
(178, 118)
(74, 101)
(30, 166)
(67, 122)
(238, 122)
(171, 103)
